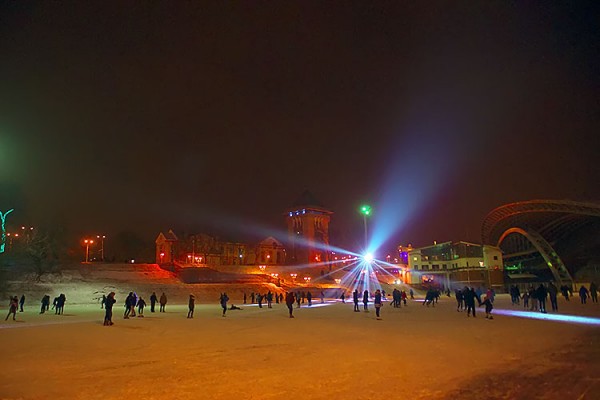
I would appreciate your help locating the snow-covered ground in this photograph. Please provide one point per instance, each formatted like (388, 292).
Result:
(325, 352)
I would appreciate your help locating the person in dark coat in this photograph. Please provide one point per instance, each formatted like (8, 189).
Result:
(12, 308)
(191, 306)
(583, 294)
(309, 298)
(487, 302)
(127, 306)
(553, 293)
(153, 300)
(355, 299)
(21, 303)
(45, 304)
(298, 299)
(244, 297)
(60, 304)
(108, 305)
(163, 302)
(594, 292)
(459, 300)
(259, 299)
(140, 306)
(103, 301)
(366, 300)
(470, 296)
(542, 294)
(252, 297)
(223, 300)
(377, 302)
(289, 302)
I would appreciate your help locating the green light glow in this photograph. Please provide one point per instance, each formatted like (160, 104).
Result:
(3, 237)
(365, 209)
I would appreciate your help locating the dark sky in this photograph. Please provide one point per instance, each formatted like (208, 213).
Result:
(138, 116)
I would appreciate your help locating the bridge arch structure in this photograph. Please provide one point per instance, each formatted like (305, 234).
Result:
(544, 224)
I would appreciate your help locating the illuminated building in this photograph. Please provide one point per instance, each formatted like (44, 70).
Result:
(456, 264)
(308, 231)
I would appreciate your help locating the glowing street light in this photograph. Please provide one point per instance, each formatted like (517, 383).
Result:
(365, 210)
(101, 237)
(294, 276)
(262, 267)
(87, 242)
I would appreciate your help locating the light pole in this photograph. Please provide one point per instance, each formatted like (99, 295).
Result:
(87, 248)
(365, 210)
(101, 237)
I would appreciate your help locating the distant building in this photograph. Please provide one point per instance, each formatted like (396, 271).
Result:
(308, 231)
(455, 264)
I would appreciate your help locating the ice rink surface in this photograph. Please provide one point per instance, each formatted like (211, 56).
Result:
(325, 352)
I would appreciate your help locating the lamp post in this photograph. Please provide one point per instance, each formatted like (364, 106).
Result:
(101, 237)
(87, 248)
(365, 211)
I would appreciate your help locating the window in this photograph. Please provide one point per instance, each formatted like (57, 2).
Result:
(444, 266)
(416, 267)
(495, 258)
(425, 267)
(435, 267)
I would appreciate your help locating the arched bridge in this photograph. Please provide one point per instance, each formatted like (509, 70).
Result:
(543, 224)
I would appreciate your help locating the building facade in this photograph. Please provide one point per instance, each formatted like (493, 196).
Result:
(455, 265)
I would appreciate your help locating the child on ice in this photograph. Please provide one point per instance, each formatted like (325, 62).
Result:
(488, 307)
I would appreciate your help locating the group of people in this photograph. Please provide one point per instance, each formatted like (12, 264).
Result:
(466, 297)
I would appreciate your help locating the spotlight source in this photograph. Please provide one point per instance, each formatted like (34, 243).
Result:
(368, 257)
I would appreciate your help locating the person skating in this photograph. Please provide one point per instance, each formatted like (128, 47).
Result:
(553, 294)
(343, 297)
(163, 302)
(583, 294)
(108, 305)
(45, 304)
(259, 299)
(21, 303)
(377, 303)
(487, 302)
(12, 308)
(224, 299)
(470, 296)
(355, 299)
(309, 298)
(103, 301)
(289, 302)
(459, 300)
(366, 300)
(298, 299)
(191, 306)
(244, 297)
(403, 297)
(594, 292)
(127, 306)
(542, 294)
(60, 305)
(269, 299)
(153, 301)
(412, 294)
(140, 306)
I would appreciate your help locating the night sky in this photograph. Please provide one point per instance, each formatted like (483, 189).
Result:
(209, 116)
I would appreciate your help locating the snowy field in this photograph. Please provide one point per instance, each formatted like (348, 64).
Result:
(326, 352)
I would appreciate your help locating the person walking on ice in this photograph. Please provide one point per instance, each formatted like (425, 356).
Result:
(108, 305)
(289, 302)
(191, 306)
(377, 303)
(163, 302)
(12, 308)
(224, 299)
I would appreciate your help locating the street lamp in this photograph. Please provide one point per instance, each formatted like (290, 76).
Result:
(87, 242)
(365, 210)
(101, 237)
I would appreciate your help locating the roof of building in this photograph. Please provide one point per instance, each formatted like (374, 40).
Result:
(309, 201)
